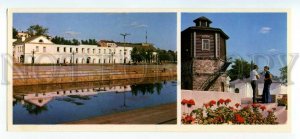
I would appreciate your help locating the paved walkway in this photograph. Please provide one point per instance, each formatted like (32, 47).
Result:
(162, 114)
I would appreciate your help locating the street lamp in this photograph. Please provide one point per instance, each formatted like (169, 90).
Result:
(124, 37)
(32, 61)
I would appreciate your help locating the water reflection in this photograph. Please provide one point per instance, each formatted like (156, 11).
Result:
(61, 103)
(39, 100)
(146, 88)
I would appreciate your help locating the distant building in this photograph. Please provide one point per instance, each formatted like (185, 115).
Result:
(23, 35)
(203, 57)
(243, 86)
(40, 50)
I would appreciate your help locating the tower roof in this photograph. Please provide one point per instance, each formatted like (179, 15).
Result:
(202, 18)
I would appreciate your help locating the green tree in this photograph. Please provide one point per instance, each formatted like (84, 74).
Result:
(240, 69)
(283, 74)
(75, 42)
(15, 33)
(35, 30)
(163, 56)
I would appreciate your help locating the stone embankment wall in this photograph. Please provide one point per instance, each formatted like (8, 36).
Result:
(35, 77)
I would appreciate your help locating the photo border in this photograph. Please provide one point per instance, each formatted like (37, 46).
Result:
(113, 127)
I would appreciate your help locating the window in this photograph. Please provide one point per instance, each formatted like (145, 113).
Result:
(37, 48)
(88, 50)
(82, 50)
(104, 51)
(120, 51)
(57, 49)
(70, 50)
(109, 51)
(64, 49)
(205, 44)
(93, 51)
(99, 51)
(41, 40)
(76, 50)
(44, 49)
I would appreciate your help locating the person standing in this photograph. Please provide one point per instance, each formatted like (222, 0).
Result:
(268, 81)
(254, 77)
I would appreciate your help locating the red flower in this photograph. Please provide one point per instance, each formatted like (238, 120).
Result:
(269, 111)
(221, 101)
(227, 101)
(237, 105)
(263, 108)
(206, 105)
(254, 105)
(190, 103)
(212, 103)
(246, 107)
(188, 119)
(184, 101)
(231, 108)
(239, 119)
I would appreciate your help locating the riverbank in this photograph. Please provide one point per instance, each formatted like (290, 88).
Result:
(162, 114)
(34, 75)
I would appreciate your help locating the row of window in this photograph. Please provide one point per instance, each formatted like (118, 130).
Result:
(88, 61)
(77, 50)
(38, 50)
(88, 50)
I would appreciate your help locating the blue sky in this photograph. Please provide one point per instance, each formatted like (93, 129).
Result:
(161, 27)
(258, 36)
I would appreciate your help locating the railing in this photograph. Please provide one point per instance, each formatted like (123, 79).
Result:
(212, 79)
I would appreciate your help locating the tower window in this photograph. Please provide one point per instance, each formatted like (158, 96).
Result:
(205, 44)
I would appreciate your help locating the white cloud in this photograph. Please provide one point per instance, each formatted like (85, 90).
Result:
(71, 34)
(273, 50)
(265, 30)
(137, 25)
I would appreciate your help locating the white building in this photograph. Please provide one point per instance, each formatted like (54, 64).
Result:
(40, 50)
(245, 89)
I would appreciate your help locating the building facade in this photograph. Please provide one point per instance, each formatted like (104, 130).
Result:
(203, 56)
(40, 50)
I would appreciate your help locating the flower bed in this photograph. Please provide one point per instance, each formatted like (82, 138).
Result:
(219, 112)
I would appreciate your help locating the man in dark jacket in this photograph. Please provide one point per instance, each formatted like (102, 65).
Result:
(268, 81)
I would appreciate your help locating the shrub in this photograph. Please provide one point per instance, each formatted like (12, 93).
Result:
(224, 114)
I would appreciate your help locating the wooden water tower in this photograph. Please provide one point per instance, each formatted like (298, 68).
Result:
(204, 57)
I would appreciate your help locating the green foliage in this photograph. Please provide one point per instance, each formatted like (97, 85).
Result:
(15, 33)
(89, 42)
(283, 74)
(62, 40)
(240, 69)
(282, 101)
(166, 56)
(35, 30)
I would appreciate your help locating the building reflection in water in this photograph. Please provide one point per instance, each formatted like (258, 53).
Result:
(36, 103)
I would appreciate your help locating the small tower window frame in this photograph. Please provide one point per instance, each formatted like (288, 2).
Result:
(206, 44)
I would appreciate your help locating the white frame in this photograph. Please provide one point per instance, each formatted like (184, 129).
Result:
(203, 47)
